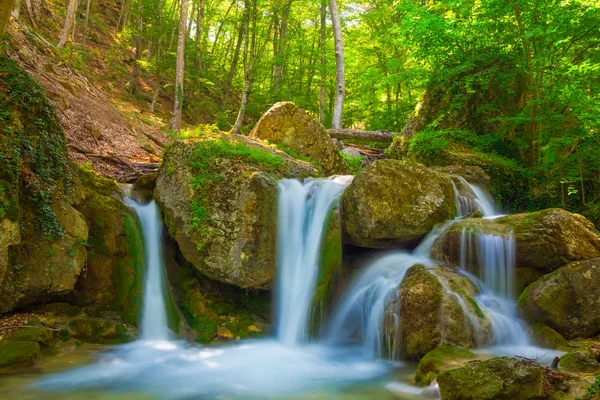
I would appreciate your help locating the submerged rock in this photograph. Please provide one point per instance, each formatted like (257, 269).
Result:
(294, 129)
(503, 378)
(393, 203)
(567, 300)
(439, 360)
(219, 199)
(435, 306)
(18, 354)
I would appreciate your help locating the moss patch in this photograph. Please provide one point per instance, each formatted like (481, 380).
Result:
(18, 354)
(441, 359)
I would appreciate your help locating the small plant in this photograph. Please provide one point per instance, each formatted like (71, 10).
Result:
(354, 163)
(594, 389)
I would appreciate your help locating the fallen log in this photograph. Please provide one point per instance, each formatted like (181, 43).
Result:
(368, 136)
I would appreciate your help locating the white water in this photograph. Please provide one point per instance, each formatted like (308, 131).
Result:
(154, 314)
(303, 212)
(470, 198)
(269, 368)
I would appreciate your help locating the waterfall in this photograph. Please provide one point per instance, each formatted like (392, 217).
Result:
(470, 198)
(154, 314)
(303, 212)
(490, 262)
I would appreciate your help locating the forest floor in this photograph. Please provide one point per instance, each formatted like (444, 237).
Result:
(104, 124)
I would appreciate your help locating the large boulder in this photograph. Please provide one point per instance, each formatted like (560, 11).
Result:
(219, 198)
(435, 306)
(567, 300)
(505, 378)
(393, 203)
(441, 359)
(544, 241)
(115, 263)
(294, 130)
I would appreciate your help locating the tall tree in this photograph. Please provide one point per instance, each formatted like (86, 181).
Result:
(180, 68)
(323, 57)
(5, 11)
(340, 85)
(69, 23)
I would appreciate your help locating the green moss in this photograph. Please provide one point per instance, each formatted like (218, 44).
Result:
(203, 162)
(546, 337)
(438, 360)
(33, 149)
(37, 333)
(354, 163)
(298, 156)
(593, 390)
(581, 359)
(18, 354)
(98, 331)
(99, 184)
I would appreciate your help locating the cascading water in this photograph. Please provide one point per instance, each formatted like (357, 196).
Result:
(303, 212)
(470, 198)
(154, 314)
(266, 368)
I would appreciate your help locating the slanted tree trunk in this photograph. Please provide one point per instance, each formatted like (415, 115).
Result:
(234, 62)
(6, 7)
(69, 23)
(340, 89)
(323, 70)
(199, 33)
(16, 9)
(179, 69)
(30, 13)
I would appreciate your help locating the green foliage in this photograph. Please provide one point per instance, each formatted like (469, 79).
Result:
(354, 163)
(33, 151)
(593, 390)
(203, 162)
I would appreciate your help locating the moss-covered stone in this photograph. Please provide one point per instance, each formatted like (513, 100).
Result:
(472, 173)
(435, 306)
(101, 331)
(567, 300)
(546, 337)
(19, 354)
(392, 203)
(35, 332)
(143, 188)
(286, 125)
(502, 378)
(219, 199)
(207, 305)
(581, 359)
(115, 265)
(61, 309)
(441, 359)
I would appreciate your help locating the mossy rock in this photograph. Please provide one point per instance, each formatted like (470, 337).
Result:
(35, 332)
(473, 174)
(502, 379)
(436, 306)
(219, 198)
(101, 331)
(392, 203)
(62, 309)
(567, 300)
(581, 359)
(292, 128)
(18, 354)
(208, 305)
(143, 188)
(115, 265)
(546, 337)
(441, 359)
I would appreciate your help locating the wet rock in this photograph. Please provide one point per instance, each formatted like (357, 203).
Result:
(472, 173)
(393, 203)
(546, 337)
(567, 300)
(581, 359)
(219, 199)
(293, 128)
(143, 188)
(441, 359)
(436, 306)
(15, 355)
(101, 331)
(503, 378)
(35, 332)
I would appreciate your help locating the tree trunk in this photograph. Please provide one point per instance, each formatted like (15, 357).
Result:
(212, 51)
(135, 74)
(199, 22)
(323, 71)
(281, 49)
(179, 69)
(247, 83)
(30, 13)
(336, 122)
(6, 7)
(69, 21)
(16, 9)
(234, 62)
(369, 136)
(87, 20)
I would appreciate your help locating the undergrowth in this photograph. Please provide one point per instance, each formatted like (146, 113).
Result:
(33, 149)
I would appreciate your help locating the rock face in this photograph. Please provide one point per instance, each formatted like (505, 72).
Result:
(567, 300)
(472, 173)
(581, 359)
(545, 240)
(115, 263)
(231, 237)
(436, 306)
(393, 203)
(441, 359)
(288, 126)
(502, 378)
